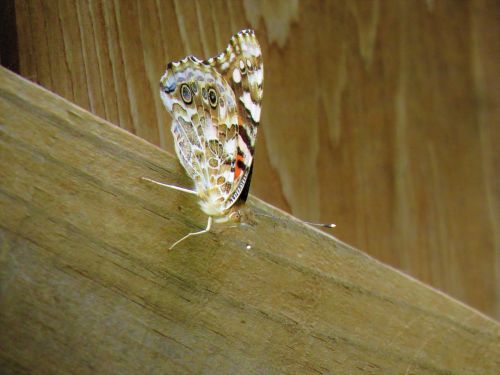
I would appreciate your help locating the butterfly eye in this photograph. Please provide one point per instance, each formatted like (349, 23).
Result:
(186, 94)
(235, 216)
(212, 97)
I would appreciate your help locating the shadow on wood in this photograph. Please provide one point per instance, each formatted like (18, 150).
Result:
(87, 285)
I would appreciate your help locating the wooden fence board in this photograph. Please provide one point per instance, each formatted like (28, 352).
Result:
(87, 286)
(397, 100)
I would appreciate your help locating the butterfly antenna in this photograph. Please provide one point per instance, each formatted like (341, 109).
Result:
(322, 225)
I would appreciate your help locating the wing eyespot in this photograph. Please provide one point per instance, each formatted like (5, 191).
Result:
(186, 95)
(212, 98)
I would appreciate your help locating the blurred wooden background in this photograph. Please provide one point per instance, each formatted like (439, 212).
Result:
(381, 116)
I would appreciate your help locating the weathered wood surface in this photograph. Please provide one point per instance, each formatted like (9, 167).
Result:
(392, 128)
(87, 285)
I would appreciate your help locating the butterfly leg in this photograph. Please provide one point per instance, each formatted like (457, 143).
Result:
(206, 230)
(171, 186)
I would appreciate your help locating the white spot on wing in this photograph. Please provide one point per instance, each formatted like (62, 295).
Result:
(229, 176)
(251, 106)
(236, 76)
(244, 148)
(230, 147)
(259, 75)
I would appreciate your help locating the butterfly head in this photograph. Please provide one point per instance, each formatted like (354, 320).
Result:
(238, 213)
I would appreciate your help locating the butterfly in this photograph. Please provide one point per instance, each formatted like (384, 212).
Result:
(215, 106)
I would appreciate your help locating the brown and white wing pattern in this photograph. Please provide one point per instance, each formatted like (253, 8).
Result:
(242, 67)
(215, 106)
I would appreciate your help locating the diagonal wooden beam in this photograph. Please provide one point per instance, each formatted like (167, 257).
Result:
(87, 286)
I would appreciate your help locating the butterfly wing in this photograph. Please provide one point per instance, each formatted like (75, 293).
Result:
(242, 67)
(215, 117)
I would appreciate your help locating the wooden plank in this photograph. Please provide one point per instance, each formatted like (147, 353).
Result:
(397, 100)
(87, 285)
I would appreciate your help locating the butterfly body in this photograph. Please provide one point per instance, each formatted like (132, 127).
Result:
(215, 106)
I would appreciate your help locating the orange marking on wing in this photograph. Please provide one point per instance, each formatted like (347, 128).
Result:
(237, 169)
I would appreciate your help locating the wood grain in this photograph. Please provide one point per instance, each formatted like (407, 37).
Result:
(381, 116)
(88, 287)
